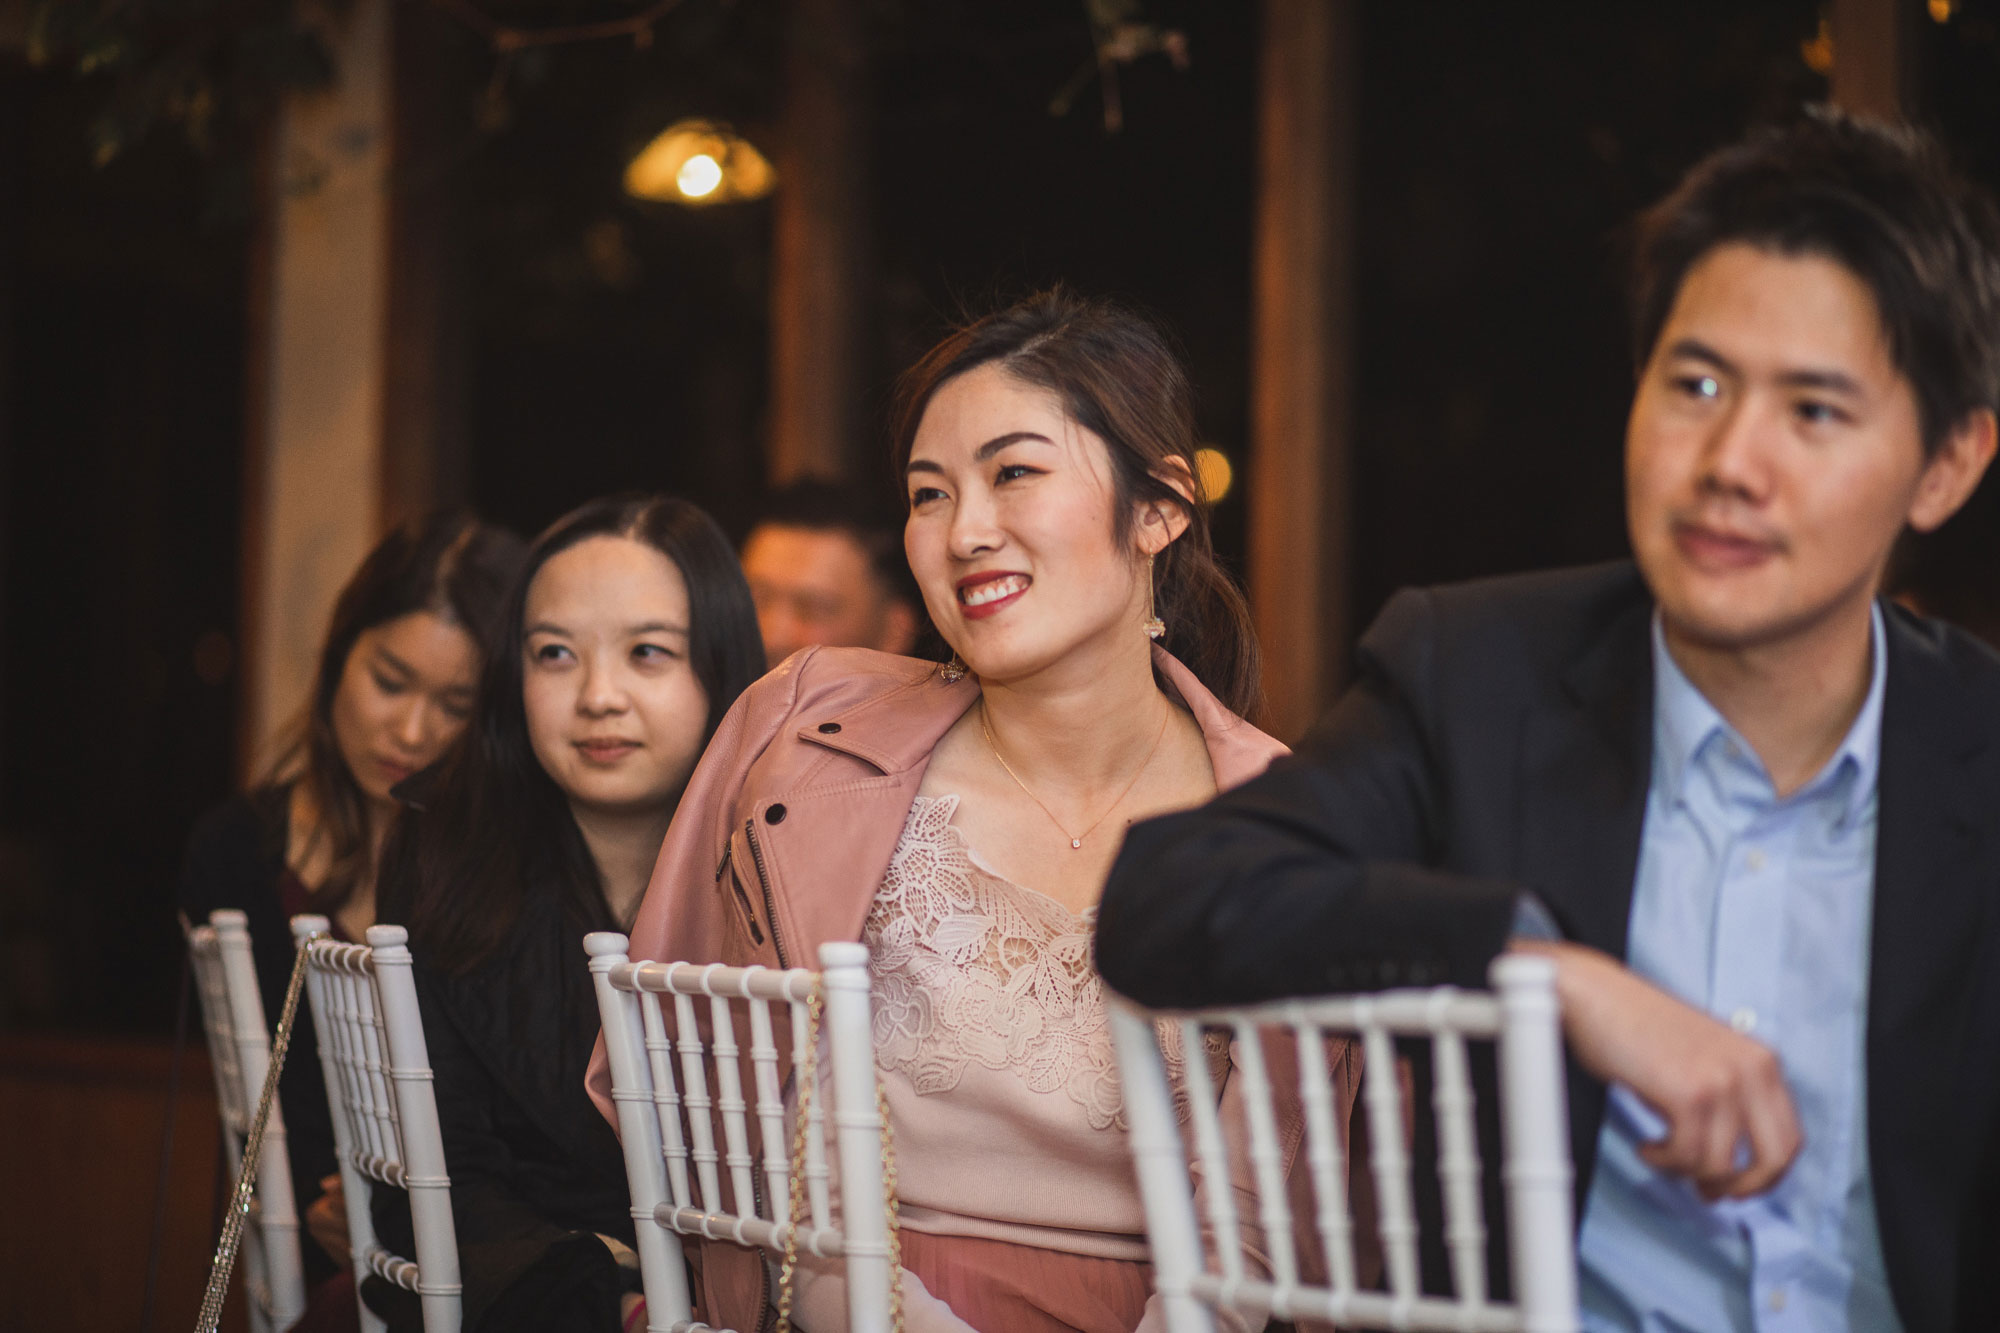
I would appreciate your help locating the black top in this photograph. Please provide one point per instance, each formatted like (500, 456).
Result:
(1498, 739)
(236, 859)
(535, 1169)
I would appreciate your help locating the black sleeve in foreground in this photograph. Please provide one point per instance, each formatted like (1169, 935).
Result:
(1320, 876)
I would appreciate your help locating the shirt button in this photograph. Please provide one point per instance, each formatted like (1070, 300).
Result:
(1776, 1300)
(828, 728)
(1755, 860)
(1744, 1020)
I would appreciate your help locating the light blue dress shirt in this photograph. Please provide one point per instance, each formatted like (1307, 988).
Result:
(1755, 910)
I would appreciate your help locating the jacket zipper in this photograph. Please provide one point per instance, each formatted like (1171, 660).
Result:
(767, 1310)
(764, 883)
(736, 887)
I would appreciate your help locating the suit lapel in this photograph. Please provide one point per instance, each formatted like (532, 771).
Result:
(1586, 761)
(1928, 818)
(1586, 764)
(1929, 905)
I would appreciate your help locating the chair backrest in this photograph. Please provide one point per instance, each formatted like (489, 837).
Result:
(239, 1051)
(1198, 1273)
(385, 1122)
(673, 1033)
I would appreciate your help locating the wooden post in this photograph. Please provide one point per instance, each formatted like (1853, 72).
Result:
(1301, 348)
(819, 247)
(425, 450)
(13, 177)
(313, 470)
(1868, 55)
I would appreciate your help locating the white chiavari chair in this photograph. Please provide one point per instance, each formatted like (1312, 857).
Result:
(385, 1122)
(1196, 1278)
(239, 1051)
(674, 1034)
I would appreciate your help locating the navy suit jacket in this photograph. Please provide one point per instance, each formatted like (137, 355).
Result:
(1498, 739)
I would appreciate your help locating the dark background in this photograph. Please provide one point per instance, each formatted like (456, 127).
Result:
(612, 344)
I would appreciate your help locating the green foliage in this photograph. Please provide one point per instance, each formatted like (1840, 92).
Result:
(213, 70)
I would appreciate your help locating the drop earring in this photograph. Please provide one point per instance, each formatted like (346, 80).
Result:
(953, 671)
(1155, 627)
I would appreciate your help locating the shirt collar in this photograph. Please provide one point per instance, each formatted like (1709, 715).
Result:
(1684, 722)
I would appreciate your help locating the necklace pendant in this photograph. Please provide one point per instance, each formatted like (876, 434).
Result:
(1076, 842)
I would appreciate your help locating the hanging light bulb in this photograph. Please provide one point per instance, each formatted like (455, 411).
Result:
(698, 176)
(699, 162)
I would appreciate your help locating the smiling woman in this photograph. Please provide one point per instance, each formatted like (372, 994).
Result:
(959, 821)
(629, 634)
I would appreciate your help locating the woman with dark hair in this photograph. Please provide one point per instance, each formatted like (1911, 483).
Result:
(960, 820)
(396, 681)
(628, 635)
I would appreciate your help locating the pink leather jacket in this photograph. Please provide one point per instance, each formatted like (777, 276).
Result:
(787, 829)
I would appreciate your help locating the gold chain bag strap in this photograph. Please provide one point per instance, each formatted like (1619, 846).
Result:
(808, 1082)
(253, 1151)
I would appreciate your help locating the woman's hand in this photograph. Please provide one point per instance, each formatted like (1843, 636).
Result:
(326, 1221)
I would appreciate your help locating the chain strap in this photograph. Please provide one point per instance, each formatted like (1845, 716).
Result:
(808, 1081)
(253, 1151)
(891, 1209)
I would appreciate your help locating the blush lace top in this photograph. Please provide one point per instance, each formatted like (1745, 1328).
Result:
(995, 1053)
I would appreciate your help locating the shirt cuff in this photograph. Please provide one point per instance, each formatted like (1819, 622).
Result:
(1532, 920)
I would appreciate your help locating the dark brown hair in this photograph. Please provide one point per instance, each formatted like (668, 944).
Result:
(454, 567)
(1881, 201)
(1117, 374)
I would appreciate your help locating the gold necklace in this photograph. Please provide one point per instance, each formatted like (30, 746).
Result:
(1075, 839)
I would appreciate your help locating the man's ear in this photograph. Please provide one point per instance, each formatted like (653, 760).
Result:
(1161, 523)
(1953, 472)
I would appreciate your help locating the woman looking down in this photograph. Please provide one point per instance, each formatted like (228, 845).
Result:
(960, 821)
(397, 677)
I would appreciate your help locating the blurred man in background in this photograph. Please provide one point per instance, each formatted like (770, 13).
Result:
(825, 564)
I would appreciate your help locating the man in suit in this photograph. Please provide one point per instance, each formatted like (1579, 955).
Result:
(1746, 806)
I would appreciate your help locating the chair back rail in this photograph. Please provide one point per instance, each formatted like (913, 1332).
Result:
(385, 1123)
(706, 1127)
(239, 1047)
(1198, 1255)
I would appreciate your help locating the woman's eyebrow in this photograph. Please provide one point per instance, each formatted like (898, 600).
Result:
(396, 664)
(999, 442)
(984, 451)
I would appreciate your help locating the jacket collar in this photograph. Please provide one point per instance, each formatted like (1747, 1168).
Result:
(897, 730)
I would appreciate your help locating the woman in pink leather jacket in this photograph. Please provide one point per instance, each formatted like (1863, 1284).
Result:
(960, 820)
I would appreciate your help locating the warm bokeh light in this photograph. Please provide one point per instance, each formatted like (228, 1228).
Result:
(1817, 51)
(699, 162)
(1217, 473)
(1942, 10)
(698, 176)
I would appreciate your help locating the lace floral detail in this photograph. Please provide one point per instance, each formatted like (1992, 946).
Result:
(971, 968)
